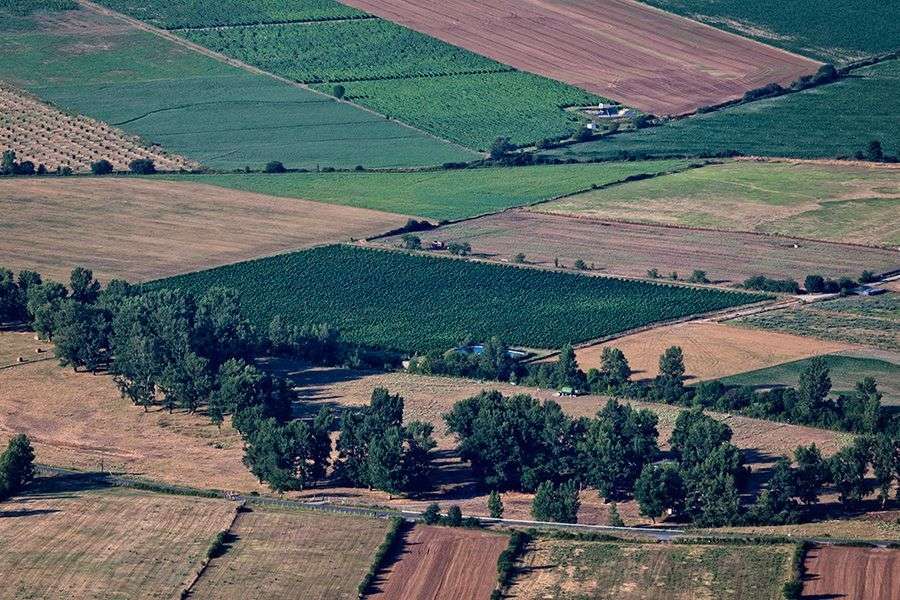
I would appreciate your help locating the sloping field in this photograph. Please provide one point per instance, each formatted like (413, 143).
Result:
(63, 541)
(847, 572)
(839, 31)
(191, 104)
(570, 570)
(632, 249)
(440, 563)
(873, 322)
(845, 370)
(833, 202)
(829, 121)
(141, 229)
(438, 195)
(418, 303)
(80, 420)
(44, 135)
(292, 555)
(649, 59)
(711, 350)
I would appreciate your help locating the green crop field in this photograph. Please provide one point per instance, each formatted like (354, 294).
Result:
(438, 195)
(836, 31)
(419, 303)
(845, 371)
(446, 90)
(201, 108)
(214, 13)
(361, 49)
(870, 321)
(826, 202)
(825, 122)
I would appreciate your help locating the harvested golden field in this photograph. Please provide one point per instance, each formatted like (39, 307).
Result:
(631, 249)
(848, 203)
(711, 350)
(442, 563)
(80, 420)
(646, 58)
(569, 570)
(141, 229)
(61, 540)
(878, 525)
(14, 344)
(45, 135)
(292, 554)
(847, 572)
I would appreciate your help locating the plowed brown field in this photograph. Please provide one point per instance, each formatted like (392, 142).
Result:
(141, 229)
(439, 563)
(646, 58)
(857, 573)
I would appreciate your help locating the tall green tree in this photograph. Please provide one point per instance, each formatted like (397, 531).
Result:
(815, 383)
(83, 285)
(848, 471)
(556, 503)
(671, 363)
(886, 464)
(659, 489)
(495, 505)
(16, 466)
(81, 335)
(43, 304)
(811, 473)
(614, 366)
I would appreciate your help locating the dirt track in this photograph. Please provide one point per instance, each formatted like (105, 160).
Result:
(438, 563)
(646, 58)
(142, 229)
(852, 573)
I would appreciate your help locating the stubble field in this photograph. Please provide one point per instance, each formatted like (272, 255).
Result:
(141, 229)
(570, 570)
(632, 249)
(651, 60)
(65, 541)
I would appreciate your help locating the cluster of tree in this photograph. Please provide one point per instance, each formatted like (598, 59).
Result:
(518, 443)
(812, 284)
(138, 166)
(376, 450)
(697, 276)
(874, 152)
(16, 466)
(10, 166)
(454, 517)
(493, 362)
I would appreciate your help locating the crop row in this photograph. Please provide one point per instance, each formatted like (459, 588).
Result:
(217, 13)
(418, 303)
(323, 52)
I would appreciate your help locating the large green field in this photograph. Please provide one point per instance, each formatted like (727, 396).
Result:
(827, 202)
(837, 31)
(825, 122)
(438, 195)
(214, 13)
(872, 321)
(450, 92)
(845, 371)
(419, 303)
(193, 105)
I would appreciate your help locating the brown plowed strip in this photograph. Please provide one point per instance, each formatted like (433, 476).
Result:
(141, 229)
(649, 59)
(439, 563)
(857, 573)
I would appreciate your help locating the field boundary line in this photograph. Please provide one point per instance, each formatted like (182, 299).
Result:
(288, 22)
(168, 35)
(204, 562)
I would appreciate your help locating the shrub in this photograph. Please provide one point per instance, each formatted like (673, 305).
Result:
(338, 91)
(454, 516)
(411, 242)
(580, 265)
(142, 166)
(459, 248)
(101, 167)
(432, 514)
(275, 167)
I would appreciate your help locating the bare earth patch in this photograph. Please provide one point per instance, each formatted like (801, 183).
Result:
(141, 229)
(45, 135)
(847, 572)
(57, 542)
(632, 249)
(440, 563)
(653, 60)
(292, 554)
(711, 350)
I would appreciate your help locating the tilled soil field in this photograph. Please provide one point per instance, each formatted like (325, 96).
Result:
(439, 563)
(141, 229)
(649, 59)
(631, 249)
(849, 572)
